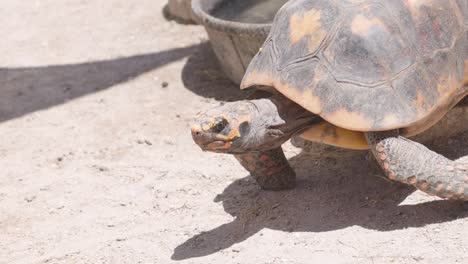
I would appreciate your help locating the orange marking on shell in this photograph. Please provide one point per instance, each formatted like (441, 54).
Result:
(447, 86)
(362, 25)
(392, 176)
(419, 102)
(415, 4)
(307, 24)
(256, 78)
(380, 148)
(412, 180)
(390, 120)
(349, 120)
(465, 72)
(306, 99)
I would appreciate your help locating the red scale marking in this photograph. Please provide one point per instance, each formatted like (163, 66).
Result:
(383, 157)
(264, 157)
(386, 166)
(436, 28)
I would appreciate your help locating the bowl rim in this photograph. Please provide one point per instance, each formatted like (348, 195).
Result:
(206, 19)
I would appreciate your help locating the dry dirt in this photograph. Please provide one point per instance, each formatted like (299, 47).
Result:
(98, 166)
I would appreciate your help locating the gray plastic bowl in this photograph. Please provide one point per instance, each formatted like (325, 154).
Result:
(234, 43)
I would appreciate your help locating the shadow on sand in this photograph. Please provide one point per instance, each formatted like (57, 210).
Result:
(203, 76)
(333, 192)
(25, 90)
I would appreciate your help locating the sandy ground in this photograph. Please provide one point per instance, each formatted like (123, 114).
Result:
(98, 166)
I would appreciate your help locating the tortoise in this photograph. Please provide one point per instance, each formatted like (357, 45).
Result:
(355, 74)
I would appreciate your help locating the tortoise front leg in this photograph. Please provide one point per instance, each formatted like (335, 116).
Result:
(269, 168)
(412, 163)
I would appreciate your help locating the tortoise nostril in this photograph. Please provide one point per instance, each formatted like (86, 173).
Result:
(196, 131)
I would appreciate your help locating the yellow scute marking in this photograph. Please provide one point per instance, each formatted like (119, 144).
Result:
(256, 78)
(390, 120)
(447, 86)
(327, 133)
(307, 24)
(306, 99)
(347, 119)
(419, 101)
(465, 72)
(416, 3)
(309, 101)
(361, 25)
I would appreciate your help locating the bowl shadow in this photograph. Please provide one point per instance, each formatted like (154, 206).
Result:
(203, 76)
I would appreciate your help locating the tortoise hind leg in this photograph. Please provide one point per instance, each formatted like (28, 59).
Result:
(269, 168)
(412, 163)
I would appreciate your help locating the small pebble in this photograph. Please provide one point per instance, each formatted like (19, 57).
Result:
(164, 84)
(30, 199)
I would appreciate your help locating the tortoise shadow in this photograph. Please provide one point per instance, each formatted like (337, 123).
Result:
(325, 199)
(28, 89)
(203, 76)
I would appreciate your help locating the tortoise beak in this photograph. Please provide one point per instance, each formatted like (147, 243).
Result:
(199, 136)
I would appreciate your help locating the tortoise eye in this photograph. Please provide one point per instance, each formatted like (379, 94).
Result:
(219, 126)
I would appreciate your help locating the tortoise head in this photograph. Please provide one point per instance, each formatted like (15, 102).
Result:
(245, 126)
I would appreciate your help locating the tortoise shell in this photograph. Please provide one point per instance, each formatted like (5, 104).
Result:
(366, 65)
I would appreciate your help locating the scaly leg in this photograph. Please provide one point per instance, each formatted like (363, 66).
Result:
(412, 163)
(269, 168)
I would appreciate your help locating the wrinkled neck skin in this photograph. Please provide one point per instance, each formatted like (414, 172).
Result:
(274, 120)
